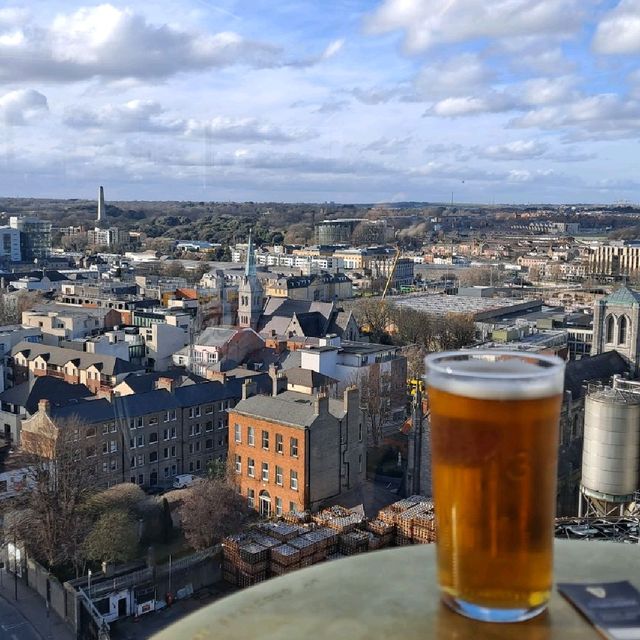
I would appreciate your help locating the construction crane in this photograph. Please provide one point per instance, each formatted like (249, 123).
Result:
(393, 270)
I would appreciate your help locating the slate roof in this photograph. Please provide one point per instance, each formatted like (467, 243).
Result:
(87, 411)
(109, 365)
(291, 408)
(144, 382)
(600, 367)
(57, 391)
(214, 391)
(309, 378)
(624, 296)
(140, 404)
(215, 337)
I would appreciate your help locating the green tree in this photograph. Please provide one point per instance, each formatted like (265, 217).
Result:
(113, 538)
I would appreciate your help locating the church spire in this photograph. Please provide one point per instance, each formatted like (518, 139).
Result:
(250, 267)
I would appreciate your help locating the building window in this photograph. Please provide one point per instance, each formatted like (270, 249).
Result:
(153, 420)
(153, 437)
(91, 451)
(360, 432)
(294, 480)
(91, 432)
(198, 465)
(279, 445)
(265, 472)
(293, 507)
(251, 498)
(609, 328)
(113, 446)
(140, 422)
(251, 467)
(208, 408)
(278, 506)
(208, 443)
(209, 426)
(153, 456)
(622, 330)
(265, 439)
(279, 475)
(238, 432)
(294, 447)
(140, 441)
(251, 438)
(360, 463)
(165, 453)
(238, 464)
(170, 415)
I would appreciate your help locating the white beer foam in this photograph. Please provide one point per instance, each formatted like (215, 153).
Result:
(495, 379)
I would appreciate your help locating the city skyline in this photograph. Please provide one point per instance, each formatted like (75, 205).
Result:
(353, 101)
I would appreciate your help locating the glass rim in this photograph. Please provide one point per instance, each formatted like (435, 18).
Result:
(552, 364)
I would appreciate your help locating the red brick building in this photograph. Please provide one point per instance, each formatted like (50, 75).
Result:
(293, 451)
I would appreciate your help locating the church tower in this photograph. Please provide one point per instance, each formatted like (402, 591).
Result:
(250, 292)
(616, 326)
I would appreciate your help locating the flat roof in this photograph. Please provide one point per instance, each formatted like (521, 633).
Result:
(441, 304)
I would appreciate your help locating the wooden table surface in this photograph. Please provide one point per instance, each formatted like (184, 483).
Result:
(393, 594)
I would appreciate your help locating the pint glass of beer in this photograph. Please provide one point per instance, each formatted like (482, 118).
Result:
(494, 434)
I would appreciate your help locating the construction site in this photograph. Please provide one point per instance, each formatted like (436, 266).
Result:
(275, 548)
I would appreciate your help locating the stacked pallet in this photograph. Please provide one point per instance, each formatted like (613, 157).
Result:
(297, 517)
(338, 518)
(383, 531)
(424, 528)
(353, 542)
(284, 558)
(413, 519)
(245, 562)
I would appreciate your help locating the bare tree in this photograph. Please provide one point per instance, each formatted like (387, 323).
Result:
(476, 276)
(374, 403)
(375, 317)
(212, 509)
(415, 355)
(456, 330)
(53, 525)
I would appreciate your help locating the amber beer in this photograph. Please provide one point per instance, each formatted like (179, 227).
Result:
(494, 430)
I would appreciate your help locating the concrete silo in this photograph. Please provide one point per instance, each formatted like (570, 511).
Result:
(611, 453)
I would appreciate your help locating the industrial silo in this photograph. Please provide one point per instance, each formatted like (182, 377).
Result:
(611, 453)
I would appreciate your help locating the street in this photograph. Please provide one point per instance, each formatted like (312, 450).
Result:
(13, 626)
(26, 618)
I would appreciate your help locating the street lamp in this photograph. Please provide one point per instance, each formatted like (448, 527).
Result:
(89, 585)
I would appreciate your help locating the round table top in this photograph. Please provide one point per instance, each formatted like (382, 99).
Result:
(393, 594)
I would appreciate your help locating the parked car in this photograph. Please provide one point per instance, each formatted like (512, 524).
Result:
(183, 481)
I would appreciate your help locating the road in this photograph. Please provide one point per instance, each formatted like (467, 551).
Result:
(12, 624)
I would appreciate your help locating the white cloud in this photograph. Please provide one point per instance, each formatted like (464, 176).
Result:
(516, 150)
(332, 49)
(490, 102)
(448, 21)
(148, 116)
(619, 30)
(607, 115)
(113, 43)
(544, 91)
(133, 116)
(242, 130)
(455, 76)
(22, 106)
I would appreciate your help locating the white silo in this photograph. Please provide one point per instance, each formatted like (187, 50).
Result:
(611, 453)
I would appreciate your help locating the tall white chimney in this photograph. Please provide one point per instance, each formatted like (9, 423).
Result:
(101, 212)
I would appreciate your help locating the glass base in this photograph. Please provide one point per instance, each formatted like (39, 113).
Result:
(487, 614)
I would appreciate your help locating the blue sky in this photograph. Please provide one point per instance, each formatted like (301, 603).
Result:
(351, 101)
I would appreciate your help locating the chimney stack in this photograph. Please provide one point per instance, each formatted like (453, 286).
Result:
(166, 383)
(249, 388)
(321, 404)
